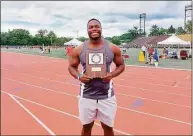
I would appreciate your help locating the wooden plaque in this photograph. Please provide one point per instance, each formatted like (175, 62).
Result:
(96, 64)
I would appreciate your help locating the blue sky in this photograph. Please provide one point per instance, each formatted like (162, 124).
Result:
(66, 17)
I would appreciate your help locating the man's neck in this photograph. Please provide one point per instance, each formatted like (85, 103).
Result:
(96, 42)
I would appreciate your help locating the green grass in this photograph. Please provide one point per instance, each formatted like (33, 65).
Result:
(54, 53)
(168, 63)
(133, 60)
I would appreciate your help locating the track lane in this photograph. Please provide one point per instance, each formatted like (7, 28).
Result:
(144, 80)
(14, 118)
(184, 100)
(31, 93)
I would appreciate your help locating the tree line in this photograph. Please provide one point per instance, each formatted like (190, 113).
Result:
(43, 36)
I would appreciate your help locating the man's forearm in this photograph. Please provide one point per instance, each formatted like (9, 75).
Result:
(118, 70)
(73, 71)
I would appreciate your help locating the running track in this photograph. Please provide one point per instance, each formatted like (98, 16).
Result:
(38, 96)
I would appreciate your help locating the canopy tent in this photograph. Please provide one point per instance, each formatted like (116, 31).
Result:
(174, 40)
(73, 42)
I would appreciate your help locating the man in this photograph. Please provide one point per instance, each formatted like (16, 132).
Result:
(150, 56)
(69, 50)
(143, 48)
(97, 100)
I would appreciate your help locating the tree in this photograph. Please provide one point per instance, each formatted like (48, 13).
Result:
(4, 38)
(134, 32)
(41, 38)
(42, 32)
(18, 37)
(154, 30)
(51, 37)
(82, 39)
(126, 37)
(188, 26)
(108, 38)
(163, 31)
(180, 30)
(171, 30)
(116, 40)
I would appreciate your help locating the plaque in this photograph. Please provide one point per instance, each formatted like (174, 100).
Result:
(96, 64)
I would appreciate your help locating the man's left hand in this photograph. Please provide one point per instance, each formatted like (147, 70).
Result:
(108, 77)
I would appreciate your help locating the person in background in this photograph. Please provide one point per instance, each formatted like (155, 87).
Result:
(165, 53)
(150, 52)
(48, 49)
(143, 48)
(69, 50)
(155, 57)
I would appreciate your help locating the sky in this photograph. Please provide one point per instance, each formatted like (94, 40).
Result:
(69, 18)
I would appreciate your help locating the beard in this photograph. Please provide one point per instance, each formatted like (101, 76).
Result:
(95, 38)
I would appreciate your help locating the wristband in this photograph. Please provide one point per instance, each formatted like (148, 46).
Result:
(79, 76)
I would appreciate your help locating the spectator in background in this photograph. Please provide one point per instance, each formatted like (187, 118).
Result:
(48, 49)
(165, 53)
(143, 48)
(150, 52)
(69, 50)
(155, 57)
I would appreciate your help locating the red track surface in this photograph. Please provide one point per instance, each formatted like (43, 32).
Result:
(40, 97)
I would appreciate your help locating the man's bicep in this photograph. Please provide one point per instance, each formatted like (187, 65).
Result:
(118, 59)
(74, 60)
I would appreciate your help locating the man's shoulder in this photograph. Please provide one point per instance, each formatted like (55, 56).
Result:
(113, 46)
(78, 49)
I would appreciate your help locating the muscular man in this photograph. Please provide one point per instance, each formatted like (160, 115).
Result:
(96, 98)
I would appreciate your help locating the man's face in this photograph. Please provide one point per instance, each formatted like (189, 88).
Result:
(94, 30)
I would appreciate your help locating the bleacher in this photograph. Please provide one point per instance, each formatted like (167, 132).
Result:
(158, 39)
(153, 40)
(146, 41)
(186, 37)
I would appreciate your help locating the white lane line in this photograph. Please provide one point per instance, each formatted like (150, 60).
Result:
(143, 89)
(78, 85)
(162, 117)
(165, 102)
(159, 68)
(169, 103)
(126, 76)
(33, 116)
(53, 109)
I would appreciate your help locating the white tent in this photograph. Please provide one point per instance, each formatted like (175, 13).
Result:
(73, 42)
(174, 40)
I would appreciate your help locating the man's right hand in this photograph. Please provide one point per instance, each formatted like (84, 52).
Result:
(84, 78)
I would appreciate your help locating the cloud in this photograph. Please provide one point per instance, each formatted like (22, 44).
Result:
(65, 18)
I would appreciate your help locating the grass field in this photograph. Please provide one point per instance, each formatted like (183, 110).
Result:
(133, 57)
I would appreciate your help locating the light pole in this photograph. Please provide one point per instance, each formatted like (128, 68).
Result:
(187, 8)
(142, 16)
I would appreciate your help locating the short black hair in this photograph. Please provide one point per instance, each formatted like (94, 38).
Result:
(95, 20)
